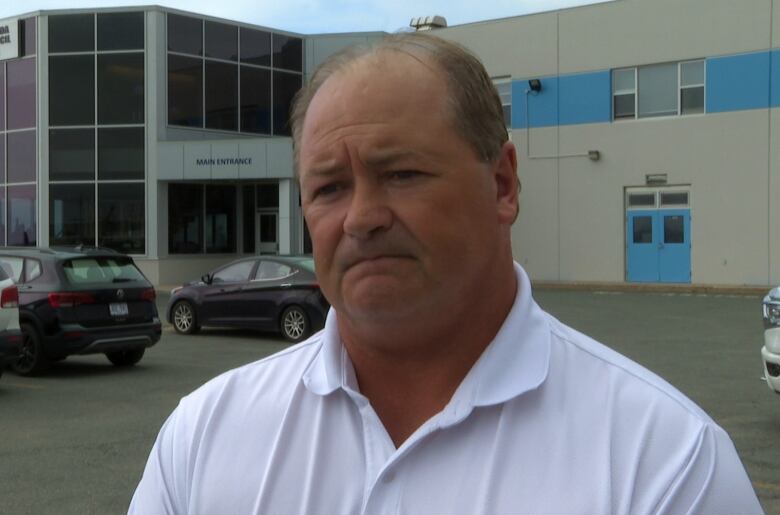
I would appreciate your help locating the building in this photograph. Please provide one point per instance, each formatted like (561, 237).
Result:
(646, 135)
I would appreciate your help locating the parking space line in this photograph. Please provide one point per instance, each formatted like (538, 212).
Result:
(22, 385)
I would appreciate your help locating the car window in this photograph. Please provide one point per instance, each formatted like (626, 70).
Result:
(269, 270)
(234, 273)
(101, 270)
(32, 269)
(12, 266)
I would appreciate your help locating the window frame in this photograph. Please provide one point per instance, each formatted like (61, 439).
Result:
(637, 92)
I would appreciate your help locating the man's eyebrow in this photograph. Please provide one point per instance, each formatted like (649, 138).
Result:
(383, 158)
(324, 169)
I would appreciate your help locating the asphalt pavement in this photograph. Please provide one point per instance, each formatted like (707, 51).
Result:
(76, 439)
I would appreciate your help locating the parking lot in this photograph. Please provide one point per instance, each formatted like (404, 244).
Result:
(76, 439)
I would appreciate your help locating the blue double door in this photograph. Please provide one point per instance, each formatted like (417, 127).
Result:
(658, 245)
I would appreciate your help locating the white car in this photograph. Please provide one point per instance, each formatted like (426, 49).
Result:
(10, 333)
(770, 353)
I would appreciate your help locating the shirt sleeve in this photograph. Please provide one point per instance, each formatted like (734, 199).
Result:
(163, 486)
(713, 482)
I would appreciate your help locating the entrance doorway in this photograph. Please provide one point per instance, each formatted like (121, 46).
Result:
(658, 235)
(267, 232)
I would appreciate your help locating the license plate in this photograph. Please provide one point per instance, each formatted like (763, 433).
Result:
(118, 309)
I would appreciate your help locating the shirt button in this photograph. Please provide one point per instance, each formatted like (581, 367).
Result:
(388, 477)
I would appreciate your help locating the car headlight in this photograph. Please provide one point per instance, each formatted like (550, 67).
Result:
(173, 291)
(772, 313)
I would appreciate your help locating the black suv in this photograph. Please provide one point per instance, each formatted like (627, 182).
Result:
(80, 301)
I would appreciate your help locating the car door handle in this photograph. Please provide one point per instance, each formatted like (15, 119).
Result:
(286, 285)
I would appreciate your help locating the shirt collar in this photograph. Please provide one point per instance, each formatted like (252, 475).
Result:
(516, 361)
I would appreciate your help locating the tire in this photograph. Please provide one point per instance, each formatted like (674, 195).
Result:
(294, 324)
(31, 360)
(183, 317)
(125, 358)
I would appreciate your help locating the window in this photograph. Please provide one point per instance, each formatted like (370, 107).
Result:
(72, 214)
(268, 195)
(624, 96)
(120, 31)
(643, 229)
(226, 78)
(21, 215)
(248, 216)
(284, 89)
(288, 53)
(255, 47)
(666, 89)
(28, 36)
(120, 86)
(185, 218)
(72, 155)
(21, 156)
(185, 90)
(234, 273)
(221, 96)
(21, 93)
(692, 87)
(12, 266)
(255, 100)
(220, 219)
(32, 269)
(121, 217)
(270, 270)
(221, 41)
(641, 199)
(72, 90)
(504, 87)
(674, 229)
(675, 198)
(185, 35)
(121, 153)
(201, 218)
(71, 33)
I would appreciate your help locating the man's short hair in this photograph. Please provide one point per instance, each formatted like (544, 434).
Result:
(475, 107)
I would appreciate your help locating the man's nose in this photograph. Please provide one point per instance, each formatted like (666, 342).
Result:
(368, 212)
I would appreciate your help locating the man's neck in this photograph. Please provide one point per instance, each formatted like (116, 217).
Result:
(410, 371)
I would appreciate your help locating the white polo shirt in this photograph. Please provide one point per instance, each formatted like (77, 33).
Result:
(548, 421)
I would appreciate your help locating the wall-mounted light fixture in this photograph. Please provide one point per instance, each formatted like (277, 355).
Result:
(535, 85)
(594, 155)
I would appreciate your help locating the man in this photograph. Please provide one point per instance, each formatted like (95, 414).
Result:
(438, 386)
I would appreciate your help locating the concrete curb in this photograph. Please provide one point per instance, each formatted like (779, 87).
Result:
(708, 289)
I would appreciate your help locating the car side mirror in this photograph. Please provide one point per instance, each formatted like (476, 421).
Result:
(206, 278)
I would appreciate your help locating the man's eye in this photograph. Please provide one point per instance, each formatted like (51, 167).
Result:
(404, 175)
(328, 189)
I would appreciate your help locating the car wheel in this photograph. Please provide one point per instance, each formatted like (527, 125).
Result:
(295, 324)
(184, 319)
(125, 358)
(31, 359)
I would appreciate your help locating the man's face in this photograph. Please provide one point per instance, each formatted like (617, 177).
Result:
(404, 218)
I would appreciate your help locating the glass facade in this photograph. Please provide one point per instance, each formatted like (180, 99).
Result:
(18, 152)
(96, 131)
(208, 89)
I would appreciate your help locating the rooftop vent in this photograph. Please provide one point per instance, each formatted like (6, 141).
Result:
(428, 23)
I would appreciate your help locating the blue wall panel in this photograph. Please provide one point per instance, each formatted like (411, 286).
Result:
(738, 82)
(585, 98)
(542, 106)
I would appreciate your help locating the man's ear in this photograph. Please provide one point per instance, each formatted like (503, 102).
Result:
(507, 184)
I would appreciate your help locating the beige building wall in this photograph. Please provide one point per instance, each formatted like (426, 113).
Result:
(572, 216)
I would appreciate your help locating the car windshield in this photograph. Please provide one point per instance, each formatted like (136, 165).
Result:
(106, 270)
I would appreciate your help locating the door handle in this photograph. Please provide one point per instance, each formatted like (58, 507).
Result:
(286, 285)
